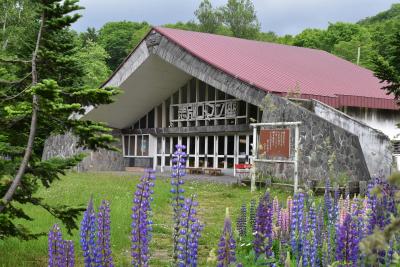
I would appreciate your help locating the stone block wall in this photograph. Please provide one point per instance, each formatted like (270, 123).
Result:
(326, 150)
(376, 146)
(102, 160)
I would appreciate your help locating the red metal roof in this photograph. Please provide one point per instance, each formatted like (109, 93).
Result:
(279, 68)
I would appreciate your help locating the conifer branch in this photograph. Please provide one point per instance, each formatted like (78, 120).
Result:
(32, 132)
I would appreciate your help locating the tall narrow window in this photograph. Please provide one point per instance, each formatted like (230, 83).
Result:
(132, 145)
(139, 145)
(145, 145)
(126, 145)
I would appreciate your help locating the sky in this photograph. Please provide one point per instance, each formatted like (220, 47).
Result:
(280, 16)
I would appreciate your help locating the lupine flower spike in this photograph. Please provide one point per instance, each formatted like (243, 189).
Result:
(88, 235)
(61, 252)
(263, 235)
(103, 248)
(141, 223)
(241, 223)
(178, 171)
(189, 230)
(227, 244)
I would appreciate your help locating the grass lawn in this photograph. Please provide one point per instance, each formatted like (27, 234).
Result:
(76, 188)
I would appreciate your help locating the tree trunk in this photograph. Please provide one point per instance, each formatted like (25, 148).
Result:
(4, 46)
(32, 132)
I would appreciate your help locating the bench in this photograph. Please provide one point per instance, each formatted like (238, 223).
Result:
(193, 170)
(212, 171)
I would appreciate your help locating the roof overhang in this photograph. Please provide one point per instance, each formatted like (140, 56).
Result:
(145, 80)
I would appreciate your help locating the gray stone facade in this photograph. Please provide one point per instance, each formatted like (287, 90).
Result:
(326, 150)
(64, 146)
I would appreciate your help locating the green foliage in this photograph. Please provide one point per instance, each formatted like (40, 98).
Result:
(117, 38)
(93, 58)
(392, 13)
(208, 17)
(240, 17)
(68, 75)
(387, 66)
(311, 38)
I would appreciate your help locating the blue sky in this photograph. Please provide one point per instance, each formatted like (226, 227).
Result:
(280, 16)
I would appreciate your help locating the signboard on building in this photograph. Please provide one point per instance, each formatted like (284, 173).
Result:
(220, 109)
(274, 143)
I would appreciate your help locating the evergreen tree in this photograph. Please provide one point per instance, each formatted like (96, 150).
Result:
(41, 85)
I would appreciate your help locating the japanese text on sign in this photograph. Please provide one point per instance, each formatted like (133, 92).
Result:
(274, 143)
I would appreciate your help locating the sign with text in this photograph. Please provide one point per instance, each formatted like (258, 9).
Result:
(274, 143)
(219, 109)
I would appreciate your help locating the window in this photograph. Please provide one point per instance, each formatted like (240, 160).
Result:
(126, 145)
(136, 145)
(159, 145)
(396, 147)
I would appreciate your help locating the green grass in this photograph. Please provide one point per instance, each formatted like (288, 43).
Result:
(76, 188)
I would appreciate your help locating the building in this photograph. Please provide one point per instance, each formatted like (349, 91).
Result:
(204, 91)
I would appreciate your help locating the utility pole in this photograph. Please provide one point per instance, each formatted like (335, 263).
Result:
(358, 55)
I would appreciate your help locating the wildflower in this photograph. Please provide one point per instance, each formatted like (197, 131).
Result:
(241, 223)
(312, 220)
(61, 252)
(88, 235)
(227, 245)
(263, 227)
(141, 224)
(189, 234)
(103, 247)
(297, 227)
(178, 171)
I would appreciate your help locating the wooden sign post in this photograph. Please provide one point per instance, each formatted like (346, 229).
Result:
(274, 146)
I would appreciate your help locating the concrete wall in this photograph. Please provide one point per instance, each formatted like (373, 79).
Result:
(383, 120)
(102, 160)
(375, 144)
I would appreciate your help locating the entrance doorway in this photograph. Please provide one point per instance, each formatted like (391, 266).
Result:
(206, 151)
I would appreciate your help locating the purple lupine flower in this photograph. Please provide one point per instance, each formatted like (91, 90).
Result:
(178, 172)
(61, 252)
(355, 233)
(141, 224)
(189, 230)
(298, 225)
(344, 240)
(69, 253)
(335, 209)
(313, 229)
(262, 242)
(88, 235)
(306, 244)
(252, 214)
(103, 246)
(227, 245)
(390, 253)
(55, 246)
(294, 225)
(241, 222)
